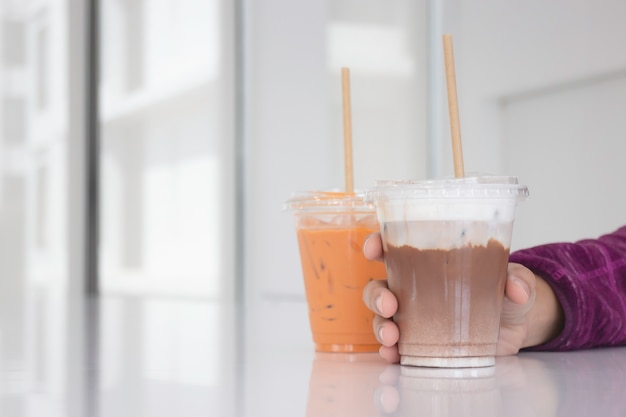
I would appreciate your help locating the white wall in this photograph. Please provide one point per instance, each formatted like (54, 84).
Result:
(569, 146)
(294, 128)
(541, 98)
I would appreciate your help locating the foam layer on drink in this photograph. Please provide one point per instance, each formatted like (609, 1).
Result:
(446, 234)
(450, 209)
(448, 213)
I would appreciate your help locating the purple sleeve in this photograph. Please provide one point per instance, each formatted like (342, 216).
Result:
(589, 280)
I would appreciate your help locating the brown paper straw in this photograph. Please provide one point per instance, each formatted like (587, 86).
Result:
(453, 107)
(347, 130)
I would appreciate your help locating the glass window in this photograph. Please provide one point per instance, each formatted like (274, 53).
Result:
(162, 147)
(165, 156)
(36, 163)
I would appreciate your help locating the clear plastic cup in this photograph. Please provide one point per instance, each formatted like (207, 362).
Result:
(446, 245)
(331, 228)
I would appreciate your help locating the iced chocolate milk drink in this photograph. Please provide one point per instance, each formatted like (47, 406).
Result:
(446, 245)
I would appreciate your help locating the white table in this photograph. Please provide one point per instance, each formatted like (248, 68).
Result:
(584, 383)
(134, 356)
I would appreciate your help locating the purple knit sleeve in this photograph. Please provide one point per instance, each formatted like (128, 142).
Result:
(589, 280)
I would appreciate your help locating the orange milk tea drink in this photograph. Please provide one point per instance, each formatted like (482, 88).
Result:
(331, 228)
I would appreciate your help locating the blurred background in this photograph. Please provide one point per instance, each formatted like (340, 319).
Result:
(147, 146)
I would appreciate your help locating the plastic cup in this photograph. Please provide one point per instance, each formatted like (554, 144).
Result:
(331, 228)
(446, 245)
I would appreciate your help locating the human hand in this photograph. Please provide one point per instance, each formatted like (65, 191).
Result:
(530, 315)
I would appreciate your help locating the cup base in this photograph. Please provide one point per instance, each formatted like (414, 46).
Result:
(464, 362)
(349, 348)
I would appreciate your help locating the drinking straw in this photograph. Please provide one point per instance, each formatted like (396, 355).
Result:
(453, 106)
(347, 130)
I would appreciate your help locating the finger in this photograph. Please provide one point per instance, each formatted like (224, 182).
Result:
(390, 354)
(516, 291)
(386, 331)
(378, 298)
(387, 399)
(373, 247)
(390, 375)
(520, 283)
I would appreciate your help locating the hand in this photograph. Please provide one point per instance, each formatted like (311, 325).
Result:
(531, 314)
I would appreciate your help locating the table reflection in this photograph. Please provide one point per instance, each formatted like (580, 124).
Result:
(439, 392)
(584, 383)
(529, 384)
(112, 356)
(344, 384)
(516, 386)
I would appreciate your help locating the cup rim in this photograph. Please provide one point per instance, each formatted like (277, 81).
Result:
(474, 186)
(328, 200)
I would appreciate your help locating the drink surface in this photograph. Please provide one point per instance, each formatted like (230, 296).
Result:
(335, 273)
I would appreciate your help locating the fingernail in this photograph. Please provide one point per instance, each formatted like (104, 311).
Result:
(379, 304)
(381, 333)
(365, 242)
(523, 285)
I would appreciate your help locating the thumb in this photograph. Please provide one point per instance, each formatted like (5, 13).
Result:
(520, 294)
(520, 284)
